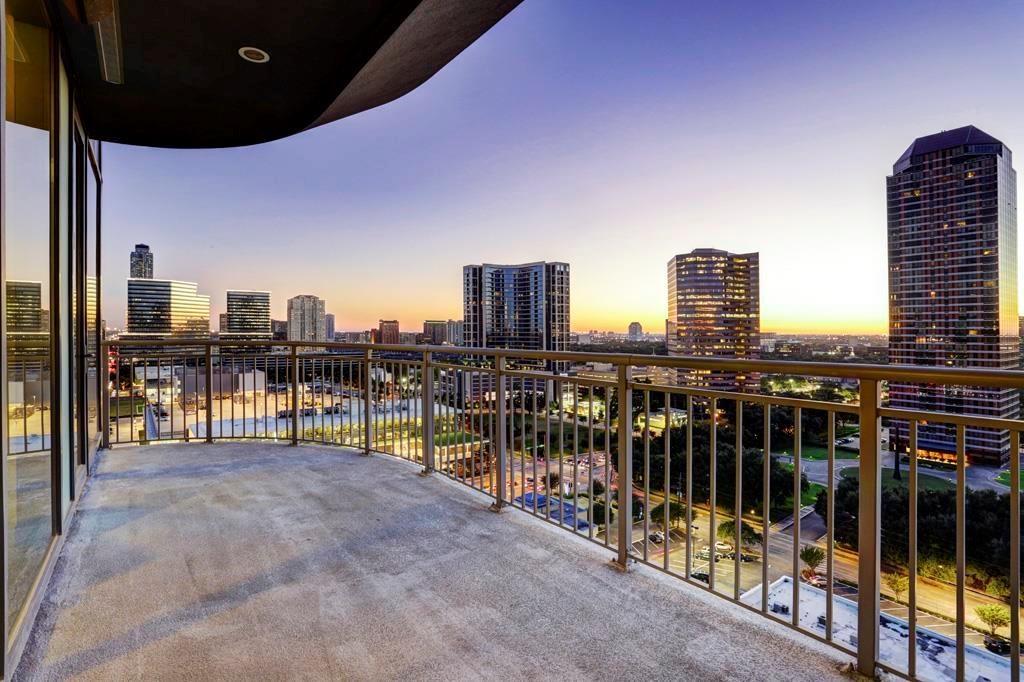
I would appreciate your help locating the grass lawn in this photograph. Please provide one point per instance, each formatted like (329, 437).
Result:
(924, 481)
(1004, 478)
(810, 496)
(818, 452)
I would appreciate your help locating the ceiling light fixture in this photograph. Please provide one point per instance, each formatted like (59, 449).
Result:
(254, 55)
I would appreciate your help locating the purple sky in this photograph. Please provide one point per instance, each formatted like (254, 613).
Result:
(608, 134)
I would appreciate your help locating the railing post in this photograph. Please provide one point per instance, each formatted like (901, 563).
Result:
(427, 428)
(501, 396)
(624, 475)
(868, 532)
(295, 394)
(367, 404)
(208, 389)
(103, 367)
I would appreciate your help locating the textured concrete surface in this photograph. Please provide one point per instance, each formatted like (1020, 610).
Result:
(261, 561)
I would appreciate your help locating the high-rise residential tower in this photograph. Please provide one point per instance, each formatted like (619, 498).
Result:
(141, 262)
(952, 223)
(454, 332)
(167, 308)
(329, 326)
(523, 307)
(247, 316)
(388, 332)
(306, 318)
(636, 331)
(714, 309)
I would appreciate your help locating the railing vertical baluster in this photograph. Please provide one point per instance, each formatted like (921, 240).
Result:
(625, 472)
(688, 463)
(647, 473)
(1015, 556)
(667, 434)
(103, 376)
(560, 387)
(501, 380)
(294, 367)
(427, 397)
(829, 518)
(208, 389)
(367, 404)
(869, 510)
(912, 548)
(738, 502)
(766, 483)
(712, 493)
(576, 458)
(961, 548)
(797, 510)
(590, 460)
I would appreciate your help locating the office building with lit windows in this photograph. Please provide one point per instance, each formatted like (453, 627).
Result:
(247, 316)
(952, 225)
(522, 307)
(435, 332)
(166, 308)
(388, 332)
(714, 310)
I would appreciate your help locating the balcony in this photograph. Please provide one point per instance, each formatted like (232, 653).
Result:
(258, 560)
(216, 542)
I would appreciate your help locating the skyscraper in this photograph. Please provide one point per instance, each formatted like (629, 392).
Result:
(167, 308)
(247, 316)
(329, 326)
(141, 262)
(306, 318)
(952, 223)
(714, 309)
(636, 331)
(435, 332)
(24, 306)
(524, 307)
(454, 332)
(388, 332)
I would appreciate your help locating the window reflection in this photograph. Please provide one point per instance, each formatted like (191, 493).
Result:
(27, 324)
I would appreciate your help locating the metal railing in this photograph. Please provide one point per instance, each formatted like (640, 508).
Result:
(731, 468)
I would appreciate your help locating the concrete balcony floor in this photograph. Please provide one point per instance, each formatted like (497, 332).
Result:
(263, 561)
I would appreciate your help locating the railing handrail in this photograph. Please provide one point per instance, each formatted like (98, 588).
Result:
(948, 376)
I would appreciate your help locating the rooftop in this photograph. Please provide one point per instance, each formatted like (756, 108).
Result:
(263, 560)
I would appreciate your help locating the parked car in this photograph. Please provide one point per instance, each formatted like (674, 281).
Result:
(308, 412)
(723, 547)
(335, 409)
(284, 414)
(701, 576)
(657, 537)
(997, 645)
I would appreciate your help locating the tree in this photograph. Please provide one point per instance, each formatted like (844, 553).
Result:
(598, 508)
(552, 482)
(898, 583)
(994, 616)
(748, 536)
(676, 513)
(813, 556)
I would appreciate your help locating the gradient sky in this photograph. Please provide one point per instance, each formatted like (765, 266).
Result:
(608, 134)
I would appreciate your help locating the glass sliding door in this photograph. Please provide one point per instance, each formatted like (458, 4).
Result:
(29, 255)
(93, 324)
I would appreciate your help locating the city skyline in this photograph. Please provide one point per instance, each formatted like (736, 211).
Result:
(605, 178)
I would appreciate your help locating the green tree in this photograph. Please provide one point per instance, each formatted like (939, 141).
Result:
(599, 508)
(898, 583)
(994, 616)
(748, 536)
(676, 514)
(813, 556)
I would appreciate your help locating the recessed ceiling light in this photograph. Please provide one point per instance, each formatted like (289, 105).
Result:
(254, 55)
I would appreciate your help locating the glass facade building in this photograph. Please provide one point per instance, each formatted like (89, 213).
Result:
(714, 310)
(141, 262)
(952, 230)
(522, 307)
(167, 308)
(247, 316)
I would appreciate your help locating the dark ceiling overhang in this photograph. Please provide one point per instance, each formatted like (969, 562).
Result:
(168, 74)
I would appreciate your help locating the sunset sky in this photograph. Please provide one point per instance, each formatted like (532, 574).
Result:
(607, 134)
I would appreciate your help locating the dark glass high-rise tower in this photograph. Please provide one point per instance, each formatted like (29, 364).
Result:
(141, 262)
(523, 307)
(952, 221)
(248, 316)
